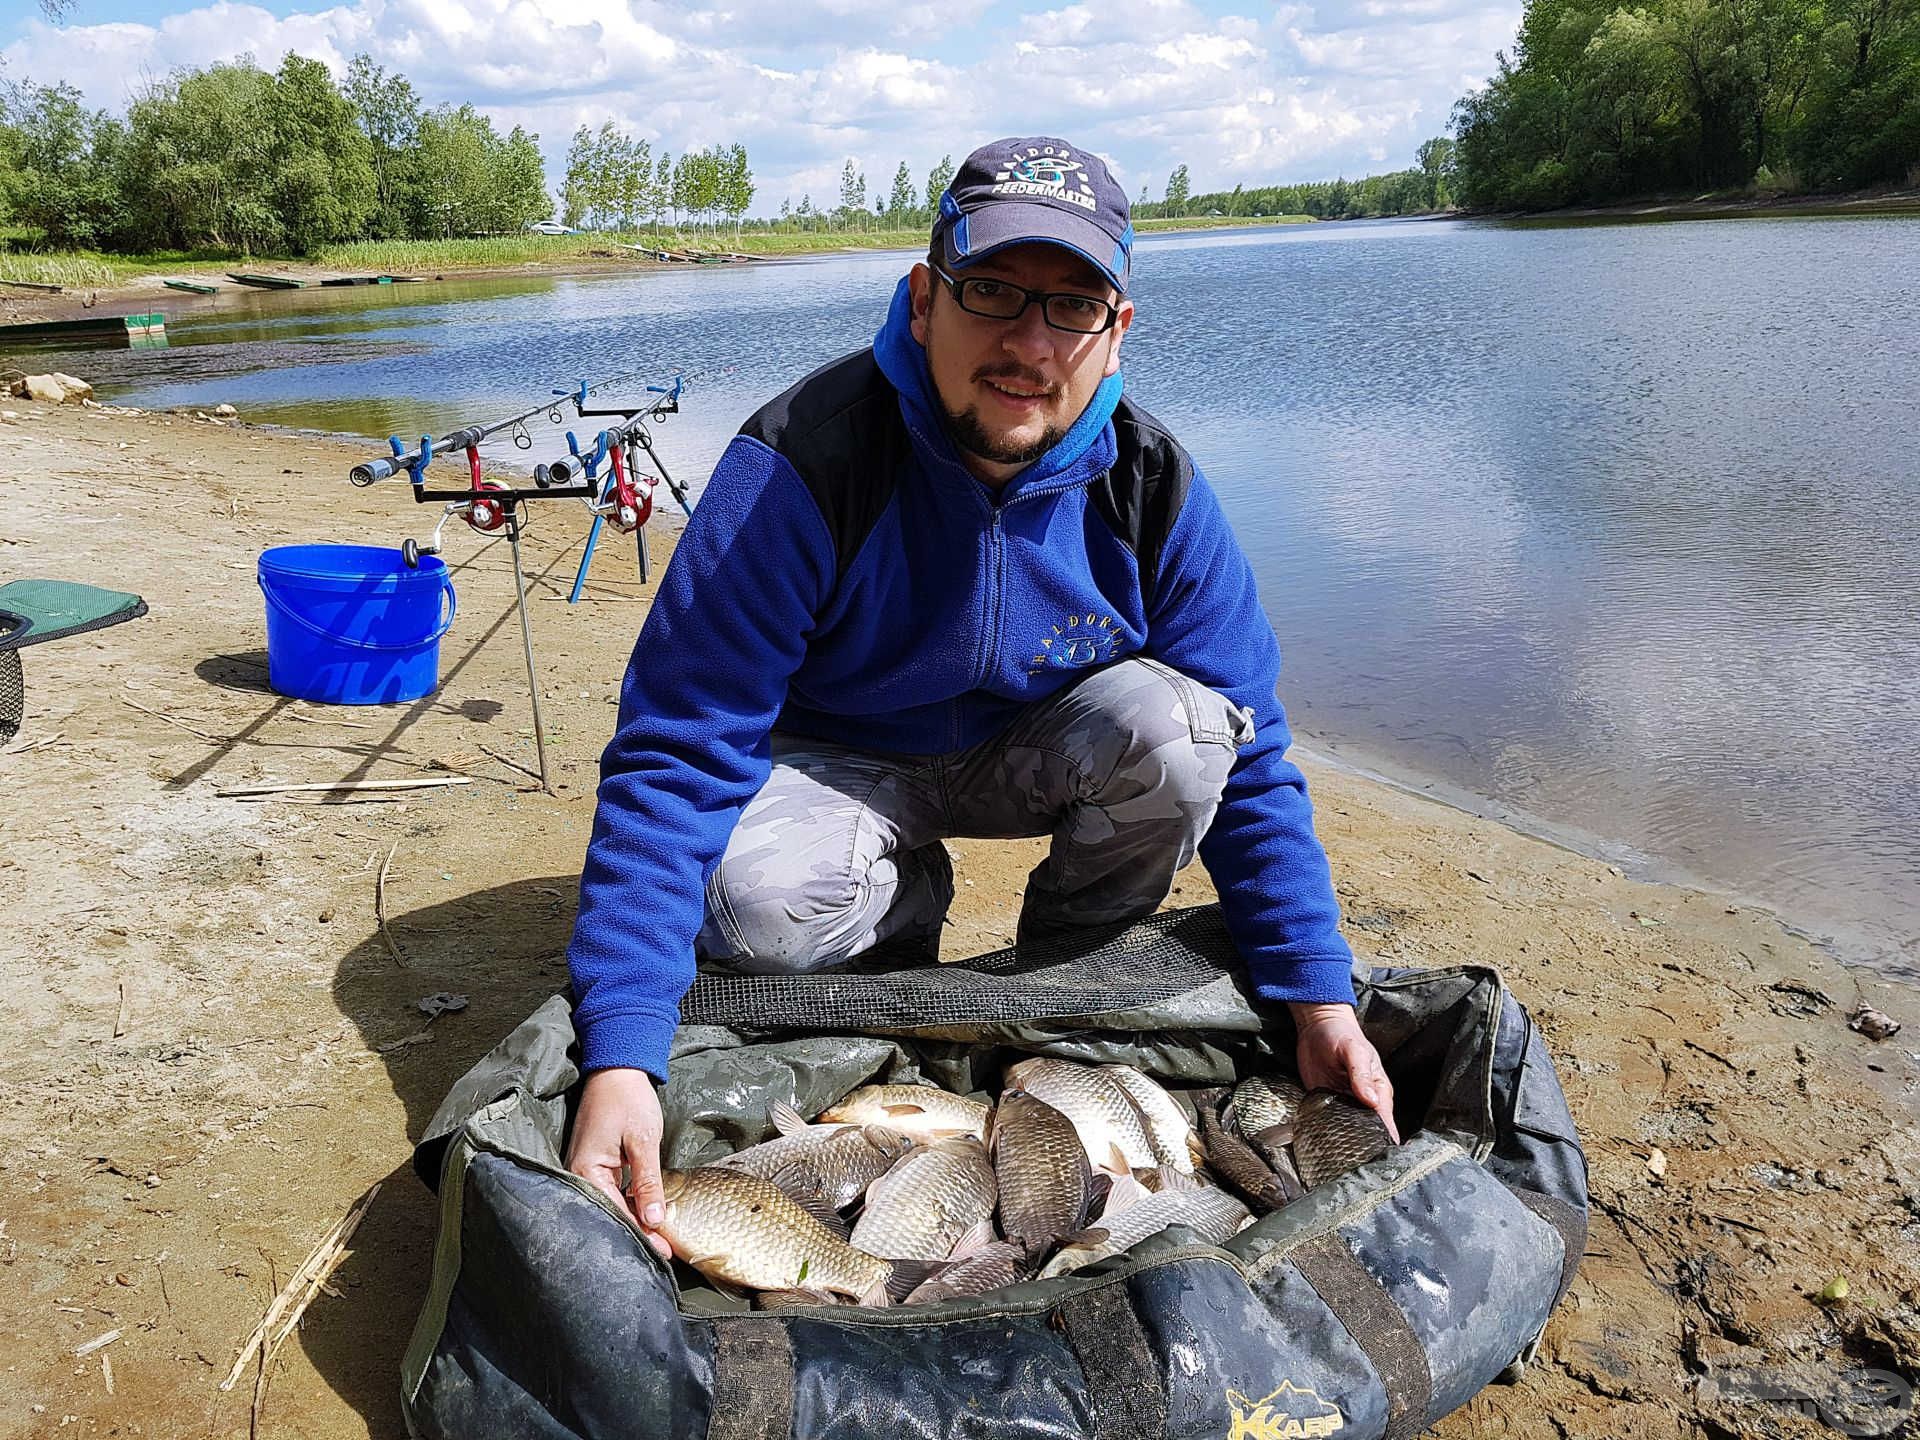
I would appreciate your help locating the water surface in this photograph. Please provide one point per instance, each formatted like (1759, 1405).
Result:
(1613, 528)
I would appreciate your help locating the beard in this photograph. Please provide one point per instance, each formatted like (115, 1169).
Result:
(970, 435)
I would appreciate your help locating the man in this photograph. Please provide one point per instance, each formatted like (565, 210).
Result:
(952, 585)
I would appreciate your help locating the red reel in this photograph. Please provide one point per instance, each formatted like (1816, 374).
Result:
(487, 515)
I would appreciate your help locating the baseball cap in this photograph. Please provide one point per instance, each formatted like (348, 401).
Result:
(1013, 191)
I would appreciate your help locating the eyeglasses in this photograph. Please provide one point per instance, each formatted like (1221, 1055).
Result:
(1003, 300)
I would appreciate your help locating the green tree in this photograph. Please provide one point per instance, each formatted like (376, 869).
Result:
(64, 160)
(853, 193)
(1177, 185)
(938, 179)
(322, 185)
(576, 191)
(388, 113)
(900, 202)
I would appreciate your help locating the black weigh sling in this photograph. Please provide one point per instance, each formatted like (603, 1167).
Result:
(1369, 1308)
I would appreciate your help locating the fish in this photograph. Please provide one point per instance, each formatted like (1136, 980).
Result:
(1134, 1215)
(1263, 1186)
(834, 1162)
(741, 1230)
(1266, 1103)
(927, 1203)
(993, 1267)
(1169, 1134)
(921, 1111)
(1334, 1134)
(1040, 1169)
(1103, 1113)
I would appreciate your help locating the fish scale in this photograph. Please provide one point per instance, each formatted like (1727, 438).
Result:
(742, 1230)
(921, 1207)
(1209, 1212)
(836, 1162)
(1040, 1169)
(1101, 1111)
(1334, 1135)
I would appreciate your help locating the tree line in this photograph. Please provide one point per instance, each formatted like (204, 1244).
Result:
(1428, 186)
(233, 157)
(614, 183)
(1600, 102)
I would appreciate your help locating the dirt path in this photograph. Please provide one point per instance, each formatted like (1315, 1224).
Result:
(162, 1171)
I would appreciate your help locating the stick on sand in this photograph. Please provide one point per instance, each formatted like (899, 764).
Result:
(288, 1306)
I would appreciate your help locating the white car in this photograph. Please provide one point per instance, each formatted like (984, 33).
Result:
(551, 227)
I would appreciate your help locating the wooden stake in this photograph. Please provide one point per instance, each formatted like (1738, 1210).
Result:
(120, 1020)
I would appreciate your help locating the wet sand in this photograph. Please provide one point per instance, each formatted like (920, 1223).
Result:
(215, 1051)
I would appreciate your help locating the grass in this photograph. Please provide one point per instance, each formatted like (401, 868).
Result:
(87, 269)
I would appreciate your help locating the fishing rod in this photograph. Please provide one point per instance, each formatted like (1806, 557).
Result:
(625, 496)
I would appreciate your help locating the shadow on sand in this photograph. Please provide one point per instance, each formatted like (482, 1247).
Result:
(502, 948)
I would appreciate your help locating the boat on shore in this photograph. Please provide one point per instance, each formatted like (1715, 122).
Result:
(266, 282)
(130, 328)
(190, 286)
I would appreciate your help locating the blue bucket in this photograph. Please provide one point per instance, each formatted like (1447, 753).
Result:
(352, 624)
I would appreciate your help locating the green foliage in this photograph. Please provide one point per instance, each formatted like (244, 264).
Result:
(938, 179)
(1178, 188)
(1403, 192)
(59, 167)
(1603, 101)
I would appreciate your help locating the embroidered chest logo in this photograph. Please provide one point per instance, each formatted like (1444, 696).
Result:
(1076, 642)
(1048, 171)
(1290, 1413)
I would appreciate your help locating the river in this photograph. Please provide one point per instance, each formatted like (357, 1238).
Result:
(1611, 531)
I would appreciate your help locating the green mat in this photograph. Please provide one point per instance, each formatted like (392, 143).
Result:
(33, 612)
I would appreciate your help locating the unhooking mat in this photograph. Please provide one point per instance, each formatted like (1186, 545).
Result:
(1368, 1308)
(33, 612)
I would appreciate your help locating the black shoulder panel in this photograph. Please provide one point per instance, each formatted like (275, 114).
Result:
(1141, 496)
(840, 429)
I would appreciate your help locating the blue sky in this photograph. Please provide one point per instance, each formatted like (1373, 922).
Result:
(1238, 90)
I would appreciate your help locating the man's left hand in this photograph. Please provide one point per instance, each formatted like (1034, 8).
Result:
(1334, 1054)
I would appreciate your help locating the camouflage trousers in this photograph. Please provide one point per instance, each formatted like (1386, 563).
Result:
(841, 848)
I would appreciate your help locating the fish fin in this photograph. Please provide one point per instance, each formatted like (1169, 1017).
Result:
(786, 1119)
(1196, 1152)
(908, 1276)
(1116, 1161)
(885, 1137)
(1099, 1187)
(1123, 1193)
(1274, 1136)
(977, 1238)
(790, 1180)
(905, 1109)
(790, 1299)
(1171, 1180)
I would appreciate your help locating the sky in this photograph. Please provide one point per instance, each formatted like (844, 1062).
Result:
(1239, 91)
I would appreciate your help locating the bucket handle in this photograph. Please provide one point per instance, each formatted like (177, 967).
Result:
(446, 587)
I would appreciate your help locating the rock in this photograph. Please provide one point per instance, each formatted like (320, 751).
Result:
(45, 389)
(225, 412)
(76, 389)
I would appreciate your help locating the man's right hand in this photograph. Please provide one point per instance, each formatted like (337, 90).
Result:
(618, 1127)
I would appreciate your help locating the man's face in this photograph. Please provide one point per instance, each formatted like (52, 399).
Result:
(1011, 388)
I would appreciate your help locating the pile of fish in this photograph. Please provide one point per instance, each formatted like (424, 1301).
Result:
(909, 1193)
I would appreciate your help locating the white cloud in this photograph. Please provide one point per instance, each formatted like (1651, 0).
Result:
(1293, 91)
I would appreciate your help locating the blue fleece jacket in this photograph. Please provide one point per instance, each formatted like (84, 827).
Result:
(924, 641)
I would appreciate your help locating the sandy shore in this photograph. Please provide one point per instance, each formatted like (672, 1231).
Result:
(213, 1051)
